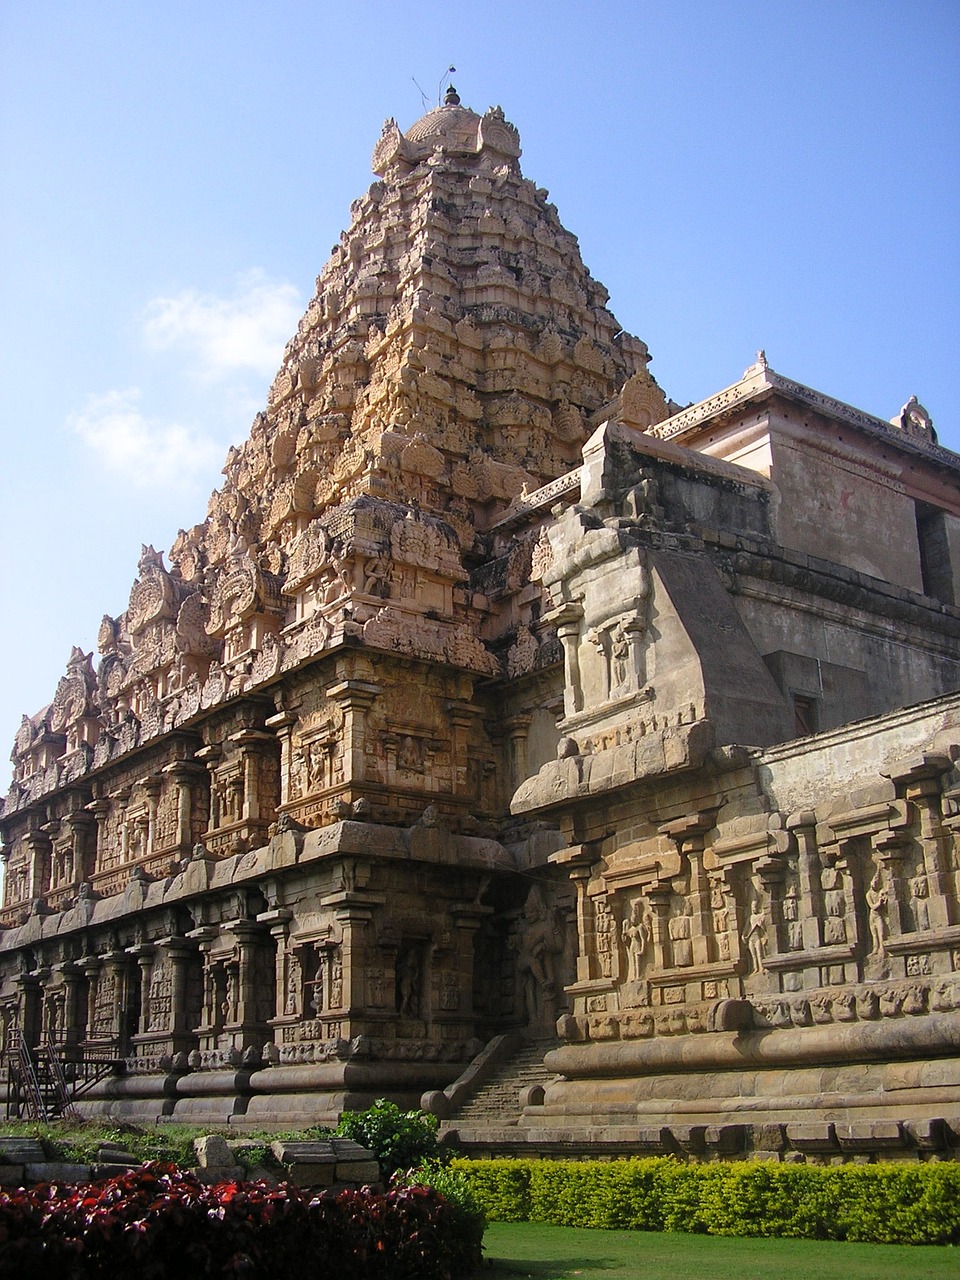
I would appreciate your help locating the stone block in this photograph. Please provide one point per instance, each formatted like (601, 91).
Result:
(11, 1175)
(213, 1152)
(313, 1174)
(767, 1137)
(303, 1152)
(870, 1135)
(725, 1139)
(358, 1171)
(811, 1137)
(56, 1171)
(111, 1169)
(652, 1140)
(21, 1151)
(929, 1135)
(689, 1137)
(210, 1175)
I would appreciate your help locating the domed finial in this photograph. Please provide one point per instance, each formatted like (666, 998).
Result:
(451, 98)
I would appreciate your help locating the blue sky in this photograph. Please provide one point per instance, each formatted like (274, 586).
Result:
(739, 174)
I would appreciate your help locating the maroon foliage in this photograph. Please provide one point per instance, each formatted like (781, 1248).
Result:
(157, 1223)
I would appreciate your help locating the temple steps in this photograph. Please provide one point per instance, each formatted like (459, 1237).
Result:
(496, 1102)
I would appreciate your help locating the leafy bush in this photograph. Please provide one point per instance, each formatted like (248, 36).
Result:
(398, 1139)
(455, 1188)
(882, 1203)
(159, 1224)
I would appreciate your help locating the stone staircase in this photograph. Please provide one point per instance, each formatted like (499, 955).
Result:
(496, 1103)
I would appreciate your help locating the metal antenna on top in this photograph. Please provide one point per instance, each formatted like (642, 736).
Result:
(422, 94)
(449, 72)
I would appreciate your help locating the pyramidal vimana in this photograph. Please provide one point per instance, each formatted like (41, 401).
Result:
(510, 737)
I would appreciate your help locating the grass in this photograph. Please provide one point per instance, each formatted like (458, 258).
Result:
(538, 1251)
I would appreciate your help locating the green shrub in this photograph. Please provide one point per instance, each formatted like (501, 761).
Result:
(887, 1204)
(398, 1139)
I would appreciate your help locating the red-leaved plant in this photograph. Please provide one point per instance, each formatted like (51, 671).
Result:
(158, 1223)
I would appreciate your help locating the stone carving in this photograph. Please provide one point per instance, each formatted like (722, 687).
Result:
(878, 902)
(539, 944)
(636, 934)
(755, 933)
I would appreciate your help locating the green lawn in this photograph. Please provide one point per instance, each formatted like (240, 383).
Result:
(534, 1249)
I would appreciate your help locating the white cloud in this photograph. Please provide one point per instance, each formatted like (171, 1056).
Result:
(142, 451)
(246, 332)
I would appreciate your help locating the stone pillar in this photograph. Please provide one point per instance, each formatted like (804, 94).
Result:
(467, 919)
(355, 698)
(248, 935)
(252, 743)
(282, 725)
(210, 756)
(803, 825)
(37, 844)
(278, 921)
(100, 809)
(152, 787)
(121, 799)
(71, 976)
(354, 920)
(689, 836)
(924, 793)
(4, 878)
(568, 633)
(461, 716)
(30, 1000)
(517, 728)
(144, 955)
(184, 774)
(81, 825)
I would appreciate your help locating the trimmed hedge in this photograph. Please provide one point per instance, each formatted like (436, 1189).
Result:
(157, 1223)
(879, 1203)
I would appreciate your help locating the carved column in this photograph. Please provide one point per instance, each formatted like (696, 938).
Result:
(278, 921)
(152, 787)
(71, 977)
(5, 852)
(517, 728)
(355, 698)
(689, 836)
(579, 864)
(118, 965)
(37, 844)
(184, 774)
(282, 725)
(467, 919)
(567, 621)
(210, 756)
(804, 827)
(144, 955)
(461, 716)
(30, 1000)
(891, 849)
(100, 810)
(251, 744)
(924, 793)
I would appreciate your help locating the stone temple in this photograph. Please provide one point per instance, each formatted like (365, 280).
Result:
(506, 724)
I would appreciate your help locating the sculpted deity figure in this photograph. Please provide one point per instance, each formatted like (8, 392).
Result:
(919, 892)
(877, 902)
(408, 983)
(538, 942)
(635, 932)
(755, 934)
(605, 933)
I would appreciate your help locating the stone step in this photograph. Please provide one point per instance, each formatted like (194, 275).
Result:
(497, 1101)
